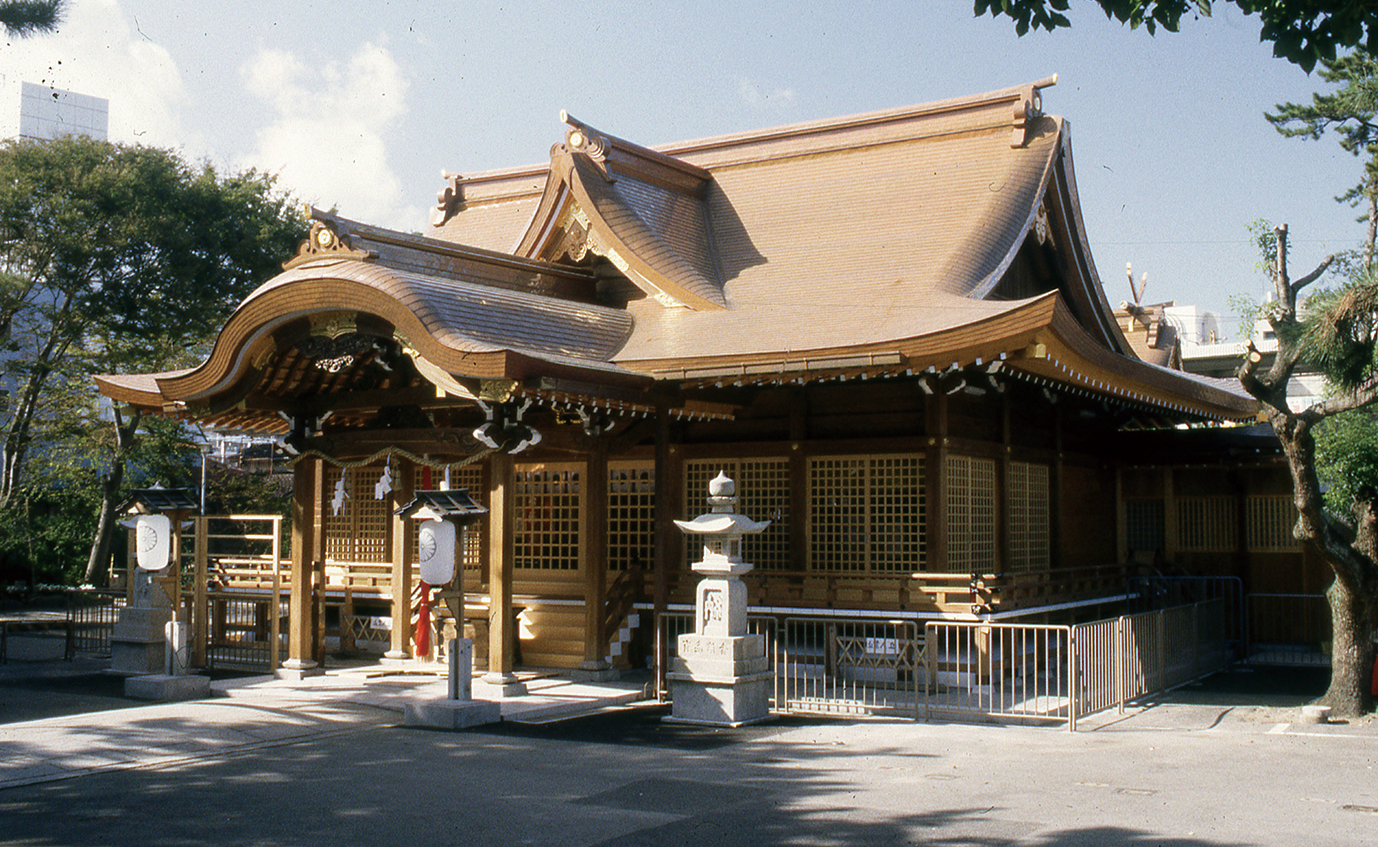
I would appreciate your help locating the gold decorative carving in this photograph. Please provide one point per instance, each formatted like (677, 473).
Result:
(325, 243)
(497, 390)
(334, 324)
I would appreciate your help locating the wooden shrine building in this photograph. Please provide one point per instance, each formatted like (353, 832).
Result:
(887, 328)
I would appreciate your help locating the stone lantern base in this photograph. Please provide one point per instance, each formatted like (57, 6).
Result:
(720, 680)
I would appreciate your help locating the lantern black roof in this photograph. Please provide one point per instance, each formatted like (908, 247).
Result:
(157, 501)
(455, 505)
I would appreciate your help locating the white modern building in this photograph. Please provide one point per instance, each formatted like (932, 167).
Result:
(42, 112)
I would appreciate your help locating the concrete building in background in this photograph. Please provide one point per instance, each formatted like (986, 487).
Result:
(29, 110)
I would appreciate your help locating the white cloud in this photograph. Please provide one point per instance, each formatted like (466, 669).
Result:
(759, 97)
(97, 52)
(326, 135)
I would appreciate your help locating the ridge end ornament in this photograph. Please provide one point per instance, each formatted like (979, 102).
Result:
(324, 242)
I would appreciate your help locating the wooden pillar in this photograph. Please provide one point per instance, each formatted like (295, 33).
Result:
(501, 554)
(304, 509)
(199, 628)
(798, 481)
(1170, 537)
(666, 536)
(1055, 553)
(318, 568)
(593, 557)
(403, 489)
(1003, 491)
(935, 494)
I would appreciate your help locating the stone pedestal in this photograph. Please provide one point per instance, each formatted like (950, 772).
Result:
(137, 643)
(161, 686)
(720, 680)
(295, 670)
(458, 710)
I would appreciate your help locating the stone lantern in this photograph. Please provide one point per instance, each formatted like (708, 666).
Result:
(721, 676)
(148, 643)
(443, 517)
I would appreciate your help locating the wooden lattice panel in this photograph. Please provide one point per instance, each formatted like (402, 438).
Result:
(547, 503)
(1144, 525)
(1269, 521)
(1207, 524)
(468, 477)
(1028, 513)
(631, 514)
(763, 494)
(866, 514)
(359, 533)
(970, 514)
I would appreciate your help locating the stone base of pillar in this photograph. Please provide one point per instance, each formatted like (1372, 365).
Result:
(734, 702)
(720, 680)
(397, 656)
(444, 713)
(167, 688)
(595, 672)
(295, 670)
(503, 684)
(138, 642)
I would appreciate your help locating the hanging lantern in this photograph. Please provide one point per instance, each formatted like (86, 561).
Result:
(437, 561)
(153, 541)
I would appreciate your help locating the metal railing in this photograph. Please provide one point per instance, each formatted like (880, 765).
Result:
(998, 671)
(91, 614)
(965, 670)
(849, 666)
(1151, 593)
(1287, 629)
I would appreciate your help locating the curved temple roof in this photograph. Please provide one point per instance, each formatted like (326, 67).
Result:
(924, 238)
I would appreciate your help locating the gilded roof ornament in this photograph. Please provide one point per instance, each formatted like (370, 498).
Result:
(325, 242)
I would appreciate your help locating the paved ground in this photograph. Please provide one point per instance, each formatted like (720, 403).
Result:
(327, 763)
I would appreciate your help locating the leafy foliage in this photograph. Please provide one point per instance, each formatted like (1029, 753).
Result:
(115, 259)
(1338, 332)
(1347, 459)
(1302, 31)
(22, 18)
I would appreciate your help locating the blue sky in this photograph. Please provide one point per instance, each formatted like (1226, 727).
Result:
(361, 105)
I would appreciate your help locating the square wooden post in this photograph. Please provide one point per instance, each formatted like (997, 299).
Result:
(593, 559)
(502, 485)
(305, 506)
(403, 489)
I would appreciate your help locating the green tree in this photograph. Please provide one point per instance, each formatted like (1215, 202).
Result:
(1351, 112)
(22, 18)
(115, 258)
(1336, 336)
(1301, 31)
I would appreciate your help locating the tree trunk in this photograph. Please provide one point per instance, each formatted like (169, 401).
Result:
(1372, 223)
(1352, 616)
(97, 564)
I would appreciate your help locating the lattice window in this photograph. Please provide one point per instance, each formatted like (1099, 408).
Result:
(1207, 524)
(1144, 525)
(1030, 539)
(763, 494)
(547, 506)
(866, 514)
(970, 514)
(1270, 520)
(468, 477)
(631, 514)
(359, 533)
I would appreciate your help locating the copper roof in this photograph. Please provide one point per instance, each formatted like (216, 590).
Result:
(891, 242)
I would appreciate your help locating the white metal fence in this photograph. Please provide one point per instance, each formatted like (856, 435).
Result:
(965, 670)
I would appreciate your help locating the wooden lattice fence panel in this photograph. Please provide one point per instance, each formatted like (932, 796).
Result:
(970, 514)
(631, 514)
(763, 487)
(1030, 539)
(866, 514)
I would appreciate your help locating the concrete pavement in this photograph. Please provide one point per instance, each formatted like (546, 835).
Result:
(326, 763)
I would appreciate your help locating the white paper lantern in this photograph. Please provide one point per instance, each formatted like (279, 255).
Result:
(153, 541)
(437, 563)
